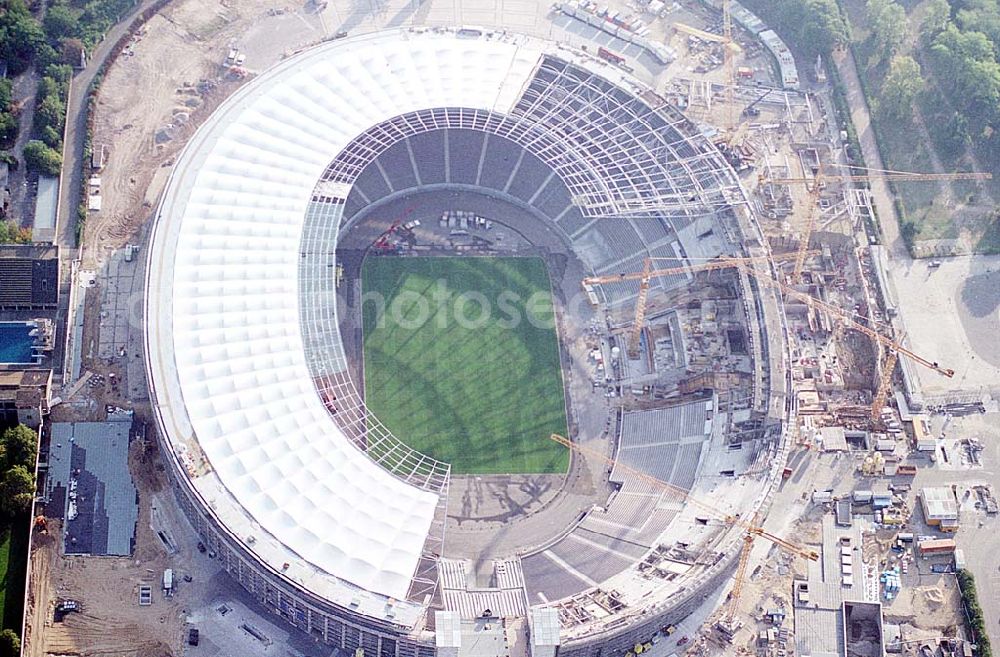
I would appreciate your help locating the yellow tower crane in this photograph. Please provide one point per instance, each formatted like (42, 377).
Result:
(884, 384)
(842, 316)
(648, 274)
(730, 48)
(821, 177)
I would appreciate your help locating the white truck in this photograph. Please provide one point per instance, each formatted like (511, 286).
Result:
(168, 582)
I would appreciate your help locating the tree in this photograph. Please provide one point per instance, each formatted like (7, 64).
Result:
(969, 73)
(937, 13)
(60, 22)
(825, 28)
(51, 137)
(39, 157)
(8, 128)
(17, 490)
(981, 16)
(61, 74)
(21, 446)
(901, 87)
(20, 35)
(51, 111)
(6, 94)
(888, 24)
(10, 644)
(11, 233)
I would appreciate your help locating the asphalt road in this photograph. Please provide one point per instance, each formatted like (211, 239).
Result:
(882, 197)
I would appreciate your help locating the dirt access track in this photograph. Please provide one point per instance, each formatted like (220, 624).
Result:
(166, 82)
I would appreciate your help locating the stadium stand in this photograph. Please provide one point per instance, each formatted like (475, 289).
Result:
(398, 166)
(546, 578)
(245, 354)
(430, 156)
(29, 277)
(653, 229)
(664, 443)
(505, 597)
(596, 561)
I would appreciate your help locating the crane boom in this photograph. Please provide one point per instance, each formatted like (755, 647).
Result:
(800, 254)
(846, 319)
(884, 384)
(729, 65)
(732, 605)
(894, 176)
(640, 311)
(718, 263)
(708, 36)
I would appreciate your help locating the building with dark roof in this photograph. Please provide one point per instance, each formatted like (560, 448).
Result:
(24, 396)
(29, 277)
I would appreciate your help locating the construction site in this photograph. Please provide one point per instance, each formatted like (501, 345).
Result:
(770, 453)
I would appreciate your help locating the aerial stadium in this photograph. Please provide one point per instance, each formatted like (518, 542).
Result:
(397, 490)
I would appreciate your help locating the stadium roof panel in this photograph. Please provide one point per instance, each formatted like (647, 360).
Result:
(231, 323)
(224, 325)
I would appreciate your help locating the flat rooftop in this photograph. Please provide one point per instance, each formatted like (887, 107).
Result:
(90, 486)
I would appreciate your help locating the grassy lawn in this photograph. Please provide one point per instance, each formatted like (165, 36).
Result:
(902, 147)
(480, 392)
(13, 567)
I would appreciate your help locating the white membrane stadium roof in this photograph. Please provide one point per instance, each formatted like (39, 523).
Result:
(225, 344)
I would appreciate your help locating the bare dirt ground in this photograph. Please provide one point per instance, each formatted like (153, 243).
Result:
(933, 605)
(156, 94)
(111, 623)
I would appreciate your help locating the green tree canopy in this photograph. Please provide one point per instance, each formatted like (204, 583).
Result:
(21, 446)
(42, 158)
(20, 35)
(901, 87)
(60, 22)
(8, 128)
(11, 233)
(10, 644)
(980, 16)
(6, 94)
(887, 20)
(937, 13)
(968, 71)
(51, 111)
(17, 490)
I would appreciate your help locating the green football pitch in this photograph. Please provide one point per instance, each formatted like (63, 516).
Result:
(462, 361)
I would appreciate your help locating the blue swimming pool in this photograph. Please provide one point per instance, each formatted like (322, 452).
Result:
(15, 342)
